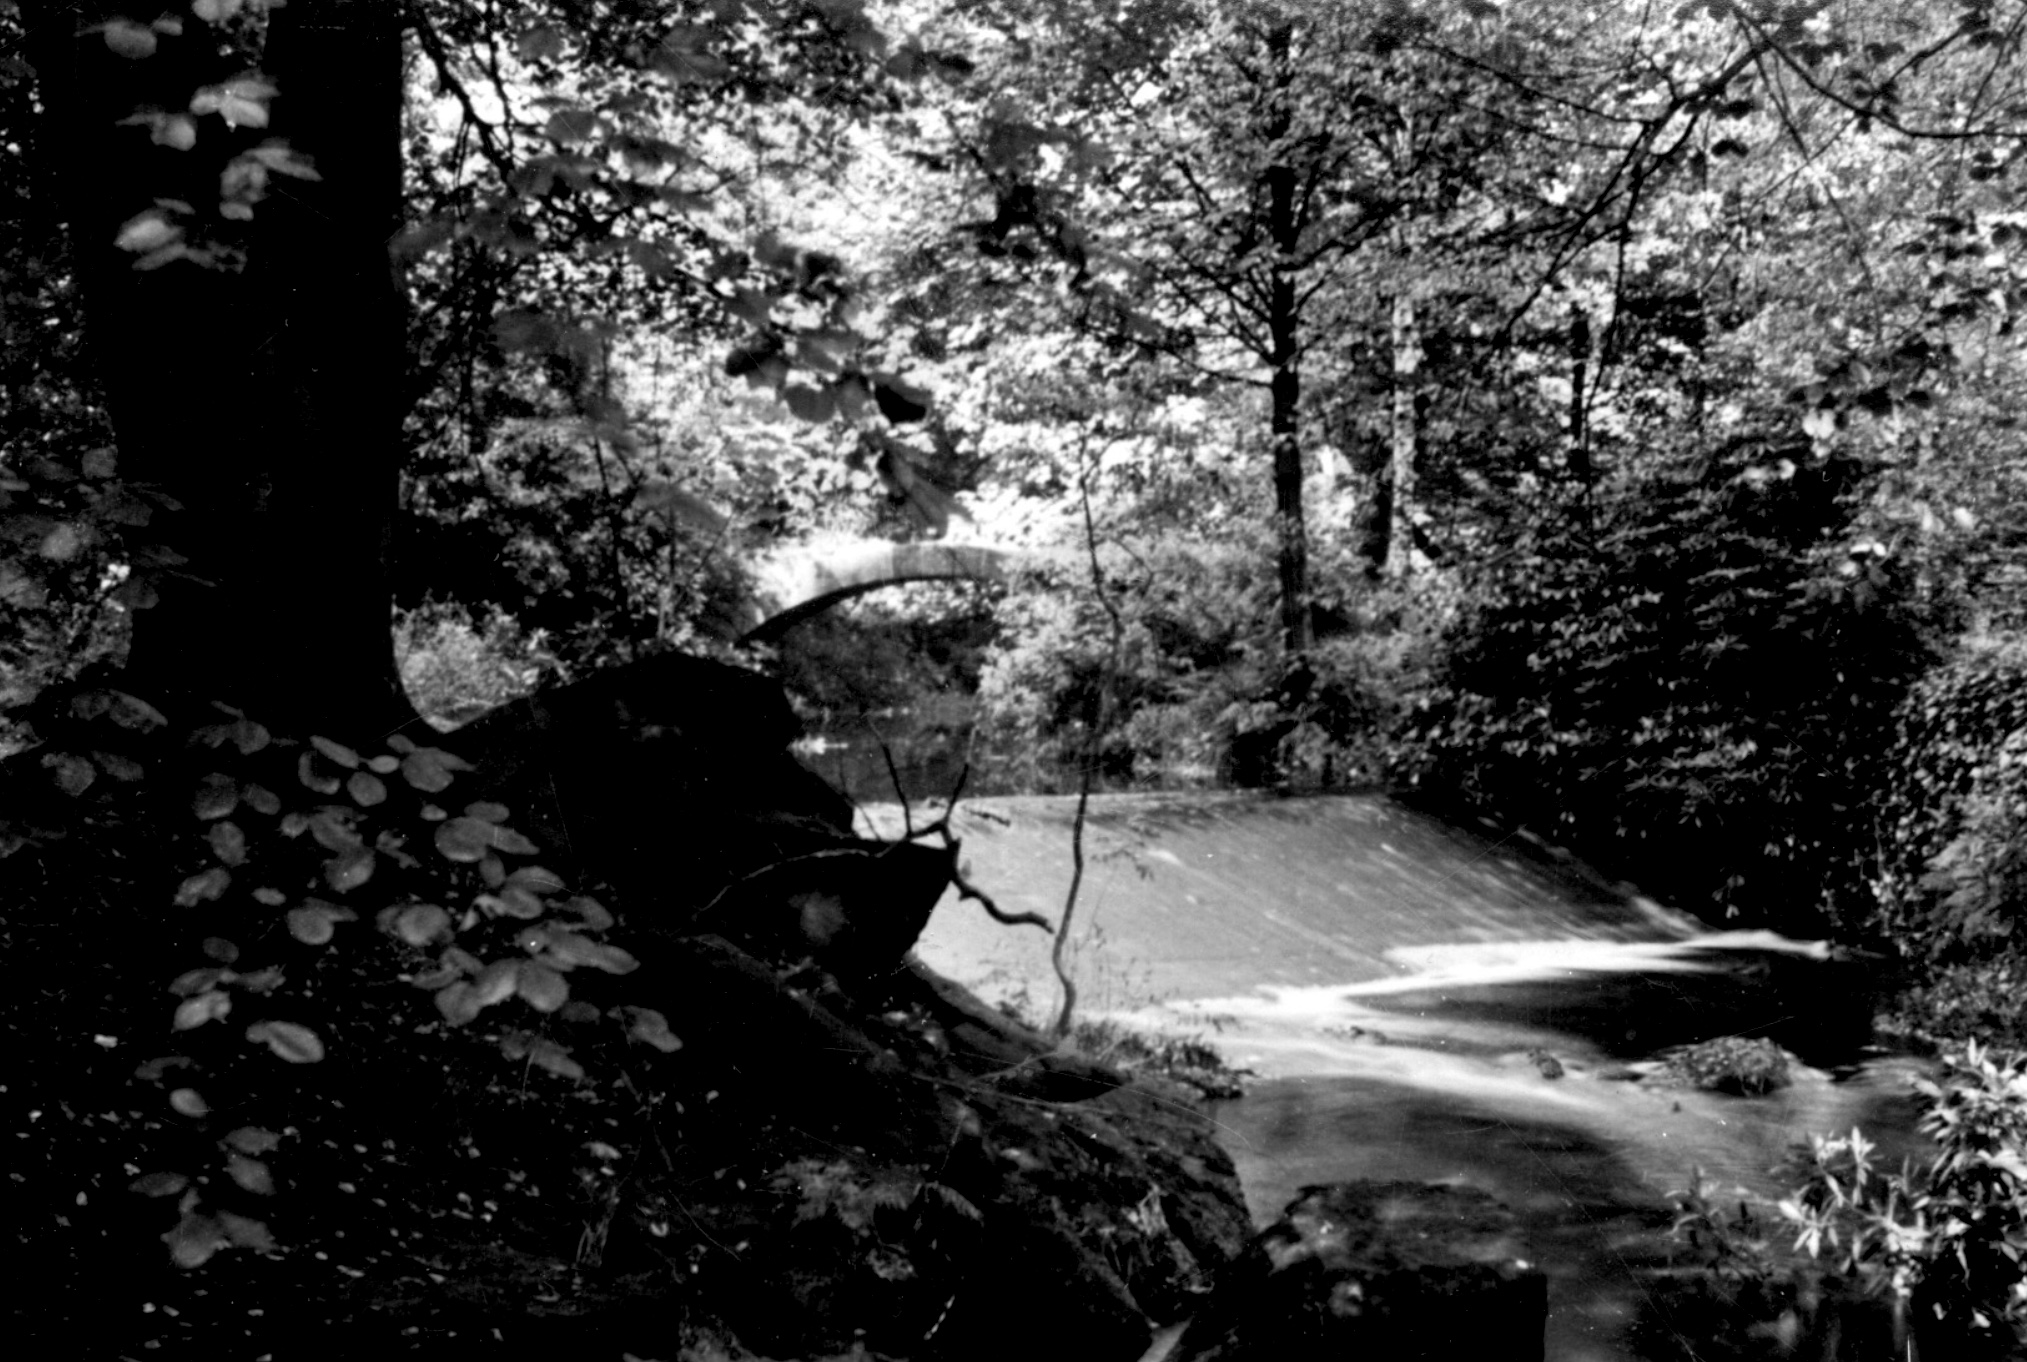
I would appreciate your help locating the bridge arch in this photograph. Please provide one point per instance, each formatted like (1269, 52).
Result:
(806, 581)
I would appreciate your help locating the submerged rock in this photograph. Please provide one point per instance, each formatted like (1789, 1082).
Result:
(1397, 1270)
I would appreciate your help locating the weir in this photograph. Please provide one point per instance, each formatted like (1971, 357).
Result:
(1421, 1001)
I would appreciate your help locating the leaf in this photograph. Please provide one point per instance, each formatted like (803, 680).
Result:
(464, 840)
(296, 1044)
(487, 811)
(251, 1174)
(158, 1184)
(649, 1027)
(246, 1232)
(262, 800)
(541, 987)
(129, 39)
(194, 1240)
(215, 11)
(217, 795)
(515, 902)
(429, 768)
(421, 923)
(593, 915)
(194, 1012)
(315, 922)
(349, 869)
(63, 542)
(571, 126)
(536, 880)
(307, 773)
(513, 843)
(189, 1102)
(228, 843)
(814, 405)
(366, 789)
(196, 981)
(541, 43)
(338, 753)
(203, 887)
(568, 950)
(242, 103)
(497, 981)
(459, 1003)
(279, 157)
(384, 765)
(253, 1140)
(73, 774)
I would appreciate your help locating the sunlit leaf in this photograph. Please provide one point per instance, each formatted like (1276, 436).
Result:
(421, 923)
(217, 795)
(366, 789)
(497, 981)
(312, 778)
(189, 1102)
(194, 1240)
(215, 11)
(649, 1027)
(246, 1232)
(429, 768)
(336, 751)
(195, 981)
(129, 39)
(242, 103)
(459, 1003)
(567, 950)
(253, 1140)
(228, 843)
(593, 915)
(349, 869)
(205, 1007)
(203, 887)
(314, 923)
(73, 774)
(464, 839)
(487, 811)
(251, 1174)
(512, 842)
(159, 1184)
(541, 987)
(296, 1044)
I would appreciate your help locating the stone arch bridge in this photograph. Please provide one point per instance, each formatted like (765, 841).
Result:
(801, 581)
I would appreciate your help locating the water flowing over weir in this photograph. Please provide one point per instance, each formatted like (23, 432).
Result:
(1419, 1001)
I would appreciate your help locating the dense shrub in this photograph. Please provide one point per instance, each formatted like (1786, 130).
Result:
(457, 665)
(1948, 875)
(1692, 679)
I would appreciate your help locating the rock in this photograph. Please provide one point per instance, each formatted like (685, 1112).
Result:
(1398, 1270)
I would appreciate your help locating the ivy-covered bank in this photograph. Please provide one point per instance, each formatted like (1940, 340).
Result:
(591, 1031)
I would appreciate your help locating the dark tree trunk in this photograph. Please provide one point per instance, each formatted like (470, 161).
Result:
(1285, 363)
(1579, 425)
(264, 401)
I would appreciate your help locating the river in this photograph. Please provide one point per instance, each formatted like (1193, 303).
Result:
(1402, 990)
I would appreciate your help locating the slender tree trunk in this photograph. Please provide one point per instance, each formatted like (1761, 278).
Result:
(262, 404)
(1407, 352)
(1579, 435)
(1285, 363)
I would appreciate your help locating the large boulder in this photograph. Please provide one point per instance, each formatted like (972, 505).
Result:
(1399, 1270)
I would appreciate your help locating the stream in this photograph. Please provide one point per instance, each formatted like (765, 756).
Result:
(1417, 1000)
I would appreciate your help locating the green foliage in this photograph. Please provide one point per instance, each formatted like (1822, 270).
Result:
(1948, 1236)
(455, 667)
(1742, 1065)
(321, 884)
(1692, 678)
(1947, 880)
(1934, 1253)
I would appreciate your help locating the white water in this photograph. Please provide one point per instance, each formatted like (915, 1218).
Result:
(1397, 988)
